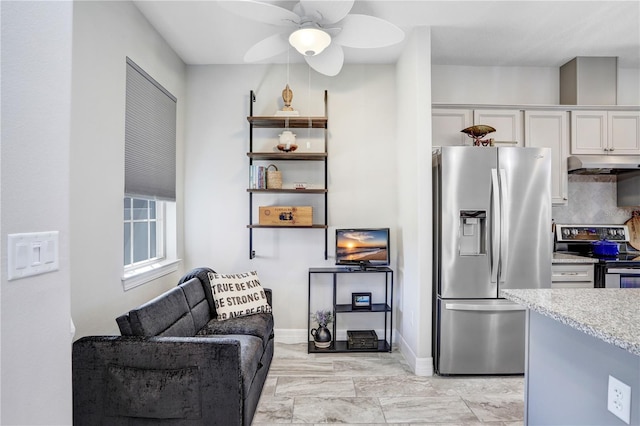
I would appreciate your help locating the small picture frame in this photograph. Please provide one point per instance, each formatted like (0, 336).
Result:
(361, 301)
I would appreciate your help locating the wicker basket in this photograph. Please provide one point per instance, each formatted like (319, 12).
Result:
(274, 178)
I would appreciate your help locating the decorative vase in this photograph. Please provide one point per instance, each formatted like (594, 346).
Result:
(287, 141)
(321, 336)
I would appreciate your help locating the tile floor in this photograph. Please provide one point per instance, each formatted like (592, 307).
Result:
(379, 388)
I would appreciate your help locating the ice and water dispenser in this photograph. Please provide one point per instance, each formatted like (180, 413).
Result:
(472, 232)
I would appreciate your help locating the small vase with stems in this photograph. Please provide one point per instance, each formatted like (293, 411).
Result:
(322, 335)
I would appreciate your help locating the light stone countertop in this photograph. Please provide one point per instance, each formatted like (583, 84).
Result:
(571, 258)
(609, 314)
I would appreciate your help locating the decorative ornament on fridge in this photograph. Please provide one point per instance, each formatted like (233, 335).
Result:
(477, 132)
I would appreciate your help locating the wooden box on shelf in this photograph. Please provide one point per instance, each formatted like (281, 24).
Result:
(286, 215)
(362, 339)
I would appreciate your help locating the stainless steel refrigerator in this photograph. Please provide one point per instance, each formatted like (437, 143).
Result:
(492, 231)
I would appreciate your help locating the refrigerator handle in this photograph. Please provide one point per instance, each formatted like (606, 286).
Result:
(504, 231)
(495, 225)
(482, 308)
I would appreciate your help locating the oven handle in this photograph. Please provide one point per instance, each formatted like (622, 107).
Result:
(624, 271)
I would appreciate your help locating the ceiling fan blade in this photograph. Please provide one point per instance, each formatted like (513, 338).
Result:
(364, 31)
(329, 62)
(270, 46)
(326, 12)
(261, 12)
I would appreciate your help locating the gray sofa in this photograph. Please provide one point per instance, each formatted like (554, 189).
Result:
(174, 364)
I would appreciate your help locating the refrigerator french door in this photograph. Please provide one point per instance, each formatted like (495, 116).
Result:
(492, 230)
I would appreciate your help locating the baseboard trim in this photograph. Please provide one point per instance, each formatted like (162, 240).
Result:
(419, 366)
(290, 336)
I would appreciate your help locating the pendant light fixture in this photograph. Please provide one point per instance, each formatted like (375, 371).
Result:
(309, 41)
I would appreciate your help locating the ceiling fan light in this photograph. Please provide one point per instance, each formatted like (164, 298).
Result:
(309, 41)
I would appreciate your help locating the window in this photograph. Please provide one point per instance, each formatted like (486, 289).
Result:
(142, 231)
(150, 179)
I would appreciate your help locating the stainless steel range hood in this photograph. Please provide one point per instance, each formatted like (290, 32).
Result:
(603, 164)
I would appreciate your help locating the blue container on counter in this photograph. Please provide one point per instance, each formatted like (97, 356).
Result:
(605, 248)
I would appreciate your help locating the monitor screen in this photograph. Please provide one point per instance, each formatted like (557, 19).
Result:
(362, 246)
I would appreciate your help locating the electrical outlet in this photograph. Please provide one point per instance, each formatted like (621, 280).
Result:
(619, 399)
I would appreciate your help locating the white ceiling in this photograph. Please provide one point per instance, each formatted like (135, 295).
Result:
(482, 33)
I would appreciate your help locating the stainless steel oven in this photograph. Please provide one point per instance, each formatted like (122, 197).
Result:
(618, 276)
(614, 270)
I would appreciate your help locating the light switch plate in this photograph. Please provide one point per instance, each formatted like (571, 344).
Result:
(32, 253)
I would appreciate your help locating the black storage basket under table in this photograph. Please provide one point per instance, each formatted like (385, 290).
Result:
(362, 339)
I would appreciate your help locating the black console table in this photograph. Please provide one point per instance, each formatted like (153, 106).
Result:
(343, 307)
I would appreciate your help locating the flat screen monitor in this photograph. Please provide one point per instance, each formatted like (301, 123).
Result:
(363, 247)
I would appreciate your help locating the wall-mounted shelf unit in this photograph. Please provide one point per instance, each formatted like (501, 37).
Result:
(285, 123)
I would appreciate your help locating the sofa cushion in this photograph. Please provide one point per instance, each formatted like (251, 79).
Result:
(250, 356)
(166, 315)
(194, 292)
(202, 274)
(258, 325)
(237, 295)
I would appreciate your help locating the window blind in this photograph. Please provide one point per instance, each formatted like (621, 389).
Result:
(150, 137)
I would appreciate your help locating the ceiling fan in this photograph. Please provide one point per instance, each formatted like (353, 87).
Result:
(318, 29)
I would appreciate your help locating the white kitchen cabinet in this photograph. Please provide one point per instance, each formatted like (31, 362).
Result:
(589, 132)
(550, 129)
(624, 132)
(572, 275)
(446, 126)
(507, 122)
(605, 132)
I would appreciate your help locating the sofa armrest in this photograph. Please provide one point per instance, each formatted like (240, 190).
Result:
(120, 380)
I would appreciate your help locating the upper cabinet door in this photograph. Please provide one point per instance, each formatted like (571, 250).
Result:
(589, 132)
(605, 132)
(446, 126)
(507, 122)
(550, 129)
(624, 132)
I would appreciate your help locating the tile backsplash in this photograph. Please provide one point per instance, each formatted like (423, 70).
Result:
(592, 200)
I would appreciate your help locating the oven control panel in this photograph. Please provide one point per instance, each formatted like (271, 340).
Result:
(588, 233)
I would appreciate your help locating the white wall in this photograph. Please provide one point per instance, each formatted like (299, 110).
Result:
(362, 172)
(35, 314)
(628, 86)
(495, 85)
(104, 34)
(414, 201)
(514, 85)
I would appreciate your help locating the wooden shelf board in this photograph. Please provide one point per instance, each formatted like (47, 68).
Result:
(288, 191)
(288, 156)
(298, 122)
